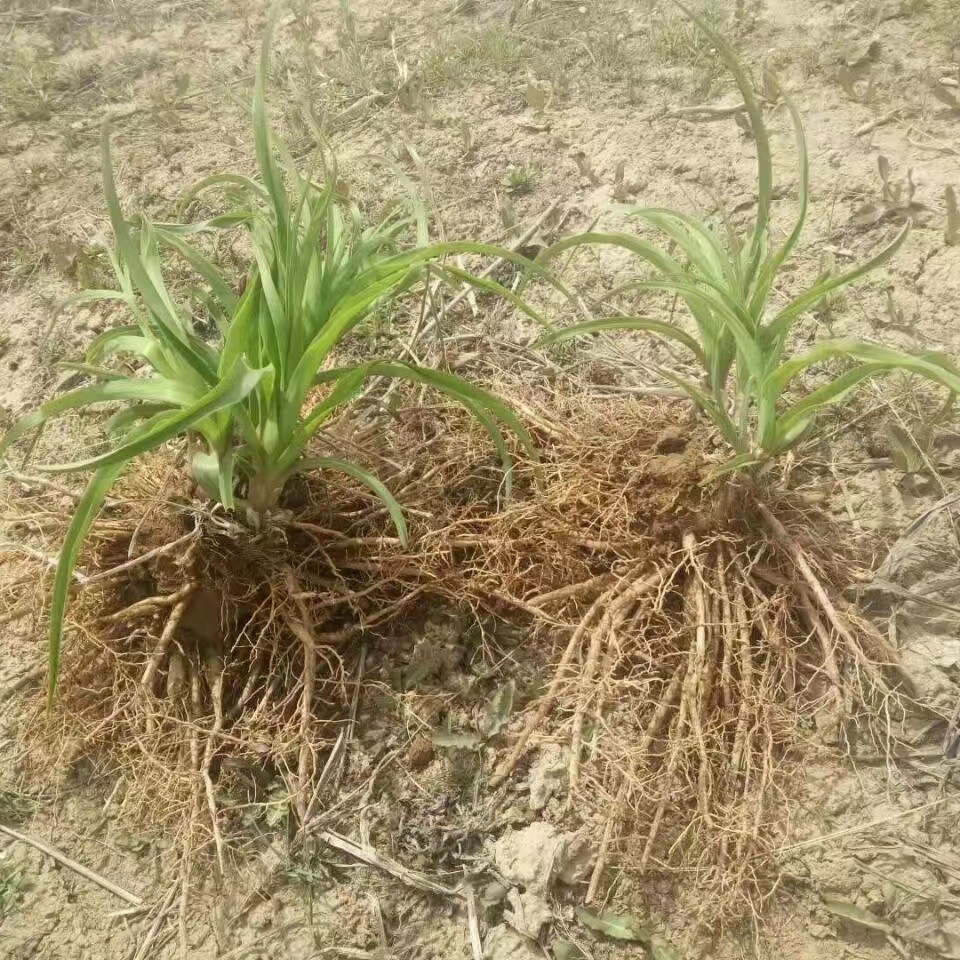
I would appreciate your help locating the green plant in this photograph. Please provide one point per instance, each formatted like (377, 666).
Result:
(13, 883)
(28, 80)
(521, 180)
(252, 399)
(676, 40)
(15, 807)
(457, 61)
(742, 341)
(307, 871)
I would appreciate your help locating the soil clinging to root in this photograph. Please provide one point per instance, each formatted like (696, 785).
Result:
(693, 626)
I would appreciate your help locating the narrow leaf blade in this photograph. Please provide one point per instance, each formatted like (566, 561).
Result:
(85, 513)
(614, 925)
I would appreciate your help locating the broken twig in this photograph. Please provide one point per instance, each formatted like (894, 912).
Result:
(369, 856)
(62, 858)
(880, 121)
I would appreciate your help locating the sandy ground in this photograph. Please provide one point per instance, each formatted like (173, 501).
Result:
(580, 103)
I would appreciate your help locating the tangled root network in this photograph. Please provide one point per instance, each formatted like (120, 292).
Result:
(691, 623)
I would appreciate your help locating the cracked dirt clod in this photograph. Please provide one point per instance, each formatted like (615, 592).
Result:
(924, 563)
(547, 775)
(528, 913)
(504, 943)
(538, 855)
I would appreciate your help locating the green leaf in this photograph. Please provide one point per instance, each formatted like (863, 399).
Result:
(771, 267)
(125, 418)
(92, 370)
(94, 296)
(459, 389)
(348, 382)
(100, 346)
(133, 344)
(701, 245)
(85, 513)
(167, 323)
(758, 129)
(222, 295)
(214, 472)
(734, 465)
(857, 915)
(614, 925)
(490, 286)
(790, 426)
(647, 251)
(566, 950)
(780, 325)
(666, 330)
(263, 137)
(904, 451)
(158, 391)
(458, 247)
(242, 183)
(456, 741)
(486, 407)
(661, 950)
(731, 318)
(489, 423)
(930, 365)
(343, 318)
(224, 395)
(500, 709)
(369, 480)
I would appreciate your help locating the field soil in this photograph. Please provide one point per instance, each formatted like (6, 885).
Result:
(502, 115)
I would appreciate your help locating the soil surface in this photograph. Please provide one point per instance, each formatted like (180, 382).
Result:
(499, 111)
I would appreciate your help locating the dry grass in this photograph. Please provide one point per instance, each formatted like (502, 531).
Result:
(696, 636)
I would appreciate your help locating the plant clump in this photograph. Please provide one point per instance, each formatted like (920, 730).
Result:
(253, 399)
(747, 368)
